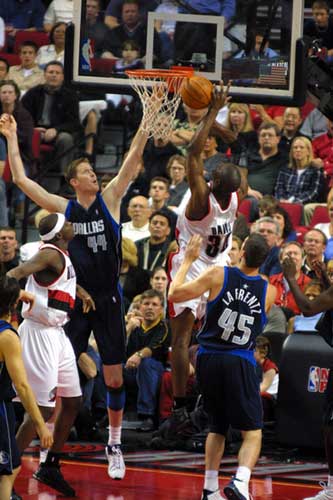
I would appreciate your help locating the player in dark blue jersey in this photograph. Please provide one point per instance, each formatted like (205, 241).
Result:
(95, 253)
(12, 371)
(235, 314)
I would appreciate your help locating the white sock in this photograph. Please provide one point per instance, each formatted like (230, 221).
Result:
(114, 435)
(211, 480)
(330, 483)
(243, 474)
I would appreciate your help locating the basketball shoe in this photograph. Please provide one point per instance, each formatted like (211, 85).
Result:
(324, 494)
(211, 495)
(236, 490)
(116, 468)
(52, 476)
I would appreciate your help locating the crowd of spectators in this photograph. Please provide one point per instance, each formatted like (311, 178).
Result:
(286, 154)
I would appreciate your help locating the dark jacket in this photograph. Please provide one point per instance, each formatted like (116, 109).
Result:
(64, 112)
(157, 338)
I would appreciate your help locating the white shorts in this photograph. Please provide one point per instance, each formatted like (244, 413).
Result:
(50, 362)
(198, 305)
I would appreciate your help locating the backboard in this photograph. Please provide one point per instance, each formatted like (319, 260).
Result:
(257, 48)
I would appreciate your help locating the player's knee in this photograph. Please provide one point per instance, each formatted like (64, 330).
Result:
(115, 398)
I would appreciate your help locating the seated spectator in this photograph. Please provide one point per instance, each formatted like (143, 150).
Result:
(113, 12)
(94, 27)
(18, 15)
(266, 203)
(321, 25)
(259, 51)
(314, 246)
(153, 251)
(300, 181)
(264, 164)
(239, 121)
(327, 229)
(178, 182)
(235, 251)
(147, 351)
(159, 282)
(58, 11)
(130, 27)
(211, 157)
(284, 298)
(292, 120)
(55, 112)
(269, 376)
(138, 187)
(130, 57)
(314, 125)
(133, 279)
(138, 225)
(4, 69)
(27, 74)
(323, 152)
(270, 230)
(55, 51)
(8, 249)
(159, 193)
(287, 232)
(156, 155)
(307, 324)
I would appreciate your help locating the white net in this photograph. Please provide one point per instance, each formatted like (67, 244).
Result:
(160, 99)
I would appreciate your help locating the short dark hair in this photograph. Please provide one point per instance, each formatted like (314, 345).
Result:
(29, 43)
(51, 36)
(161, 213)
(320, 4)
(14, 85)
(227, 177)
(9, 293)
(318, 231)
(8, 228)
(267, 125)
(160, 179)
(2, 59)
(150, 293)
(288, 225)
(54, 63)
(255, 250)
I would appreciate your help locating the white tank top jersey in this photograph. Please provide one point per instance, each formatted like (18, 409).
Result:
(215, 229)
(54, 301)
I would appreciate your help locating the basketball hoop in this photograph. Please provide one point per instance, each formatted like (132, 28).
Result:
(159, 91)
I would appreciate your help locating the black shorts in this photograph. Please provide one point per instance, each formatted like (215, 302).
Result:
(9, 454)
(107, 324)
(231, 392)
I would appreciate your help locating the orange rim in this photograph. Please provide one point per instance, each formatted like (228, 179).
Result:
(160, 73)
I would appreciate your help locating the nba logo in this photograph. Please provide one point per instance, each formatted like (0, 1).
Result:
(314, 379)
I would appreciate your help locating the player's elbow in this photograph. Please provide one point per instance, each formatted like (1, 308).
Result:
(175, 296)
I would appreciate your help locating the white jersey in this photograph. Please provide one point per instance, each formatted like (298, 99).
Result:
(53, 302)
(215, 229)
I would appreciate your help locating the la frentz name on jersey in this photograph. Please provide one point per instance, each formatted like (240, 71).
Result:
(240, 294)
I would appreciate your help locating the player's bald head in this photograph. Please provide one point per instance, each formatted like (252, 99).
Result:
(226, 178)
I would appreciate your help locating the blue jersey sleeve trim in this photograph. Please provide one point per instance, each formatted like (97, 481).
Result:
(263, 304)
(68, 209)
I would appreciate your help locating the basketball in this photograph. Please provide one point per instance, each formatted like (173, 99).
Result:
(196, 92)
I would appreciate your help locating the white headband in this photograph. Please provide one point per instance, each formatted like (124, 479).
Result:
(58, 227)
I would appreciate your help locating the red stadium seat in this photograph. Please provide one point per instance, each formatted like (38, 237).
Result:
(39, 37)
(103, 66)
(13, 59)
(319, 215)
(245, 208)
(295, 212)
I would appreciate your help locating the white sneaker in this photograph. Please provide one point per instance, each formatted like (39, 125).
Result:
(324, 494)
(116, 468)
(208, 495)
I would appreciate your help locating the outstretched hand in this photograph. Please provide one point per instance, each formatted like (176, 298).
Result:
(220, 95)
(289, 268)
(8, 125)
(192, 251)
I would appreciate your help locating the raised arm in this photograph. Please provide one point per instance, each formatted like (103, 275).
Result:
(46, 259)
(51, 202)
(116, 189)
(198, 203)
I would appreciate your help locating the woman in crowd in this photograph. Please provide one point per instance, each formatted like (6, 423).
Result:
(300, 181)
(178, 184)
(55, 51)
(240, 123)
(327, 229)
(286, 227)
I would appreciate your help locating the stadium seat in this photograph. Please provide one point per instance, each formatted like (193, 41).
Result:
(319, 215)
(13, 59)
(103, 66)
(245, 208)
(39, 37)
(295, 211)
